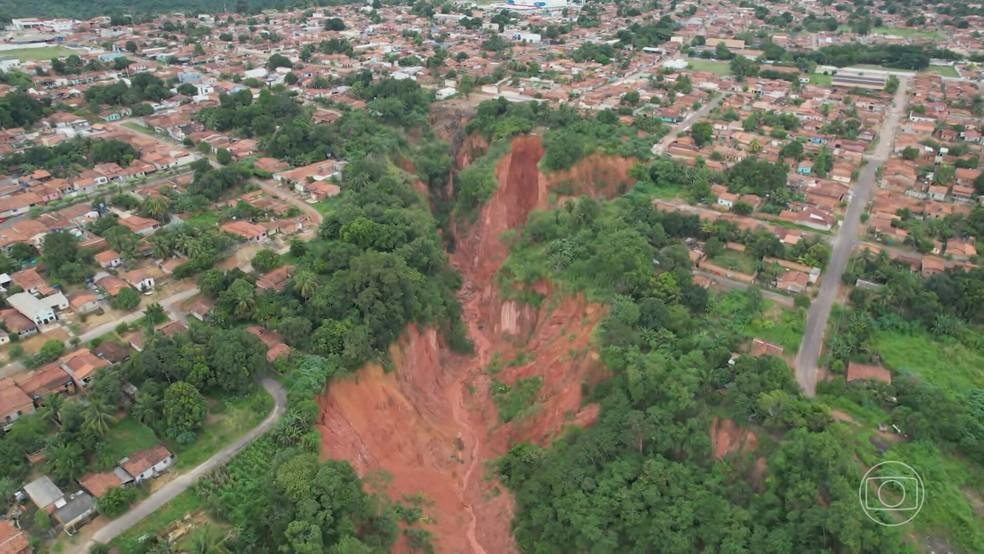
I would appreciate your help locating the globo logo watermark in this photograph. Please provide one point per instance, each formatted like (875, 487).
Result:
(892, 493)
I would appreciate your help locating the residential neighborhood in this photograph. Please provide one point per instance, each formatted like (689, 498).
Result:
(258, 254)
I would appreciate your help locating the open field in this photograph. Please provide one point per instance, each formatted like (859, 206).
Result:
(909, 32)
(34, 54)
(778, 326)
(712, 66)
(949, 365)
(943, 70)
(821, 79)
(735, 261)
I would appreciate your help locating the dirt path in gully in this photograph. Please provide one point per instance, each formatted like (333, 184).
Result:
(431, 423)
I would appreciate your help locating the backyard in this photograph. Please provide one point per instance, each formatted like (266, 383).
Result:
(735, 261)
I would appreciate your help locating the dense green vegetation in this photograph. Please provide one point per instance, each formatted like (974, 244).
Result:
(69, 156)
(377, 266)
(18, 109)
(927, 331)
(642, 478)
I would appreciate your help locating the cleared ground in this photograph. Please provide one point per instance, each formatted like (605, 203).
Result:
(40, 53)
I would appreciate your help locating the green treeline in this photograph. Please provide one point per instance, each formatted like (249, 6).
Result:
(643, 478)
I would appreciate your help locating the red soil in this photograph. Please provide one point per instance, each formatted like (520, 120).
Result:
(431, 423)
(727, 438)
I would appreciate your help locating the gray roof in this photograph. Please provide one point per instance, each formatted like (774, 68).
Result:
(79, 505)
(27, 304)
(43, 491)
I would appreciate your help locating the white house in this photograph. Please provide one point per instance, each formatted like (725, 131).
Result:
(147, 464)
(32, 308)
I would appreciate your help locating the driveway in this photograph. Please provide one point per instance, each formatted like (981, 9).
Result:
(843, 244)
(172, 489)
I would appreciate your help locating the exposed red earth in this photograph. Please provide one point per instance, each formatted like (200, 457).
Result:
(430, 423)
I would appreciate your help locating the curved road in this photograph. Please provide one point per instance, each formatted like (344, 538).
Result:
(172, 489)
(843, 245)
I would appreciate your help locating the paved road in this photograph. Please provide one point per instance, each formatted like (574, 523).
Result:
(843, 244)
(167, 303)
(684, 126)
(172, 489)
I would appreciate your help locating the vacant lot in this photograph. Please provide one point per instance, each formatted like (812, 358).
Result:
(712, 66)
(34, 54)
(946, 362)
(735, 261)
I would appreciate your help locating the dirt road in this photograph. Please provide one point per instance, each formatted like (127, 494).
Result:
(843, 244)
(172, 489)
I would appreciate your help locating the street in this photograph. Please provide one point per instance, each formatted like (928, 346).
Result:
(843, 245)
(172, 489)
(684, 126)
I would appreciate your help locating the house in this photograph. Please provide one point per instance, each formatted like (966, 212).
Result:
(111, 284)
(43, 492)
(245, 230)
(45, 381)
(793, 281)
(82, 365)
(275, 280)
(112, 352)
(108, 259)
(13, 540)
(84, 303)
(199, 307)
(865, 372)
(32, 308)
(139, 279)
(32, 282)
(140, 225)
(147, 464)
(99, 483)
(298, 178)
(75, 511)
(17, 324)
(14, 403)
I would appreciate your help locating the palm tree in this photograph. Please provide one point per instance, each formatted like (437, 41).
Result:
(209, 540)
(156, 207)
(145, 408)
(51, 409)
(98, 419)
(305, 283)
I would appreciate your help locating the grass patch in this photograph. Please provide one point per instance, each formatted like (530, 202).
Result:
(228, 419)
(713, 66)
(39, 53)
(947, 512)
(948, 364)
(735, 261)
(821, 79)
(652, 190)
(944, 70)
(156, 522)
(778, 326)
(204, 219)
(514, 401)
(134, 126)
(909, 32)
(129, 436)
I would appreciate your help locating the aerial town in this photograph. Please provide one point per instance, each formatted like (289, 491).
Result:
(486, 277)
